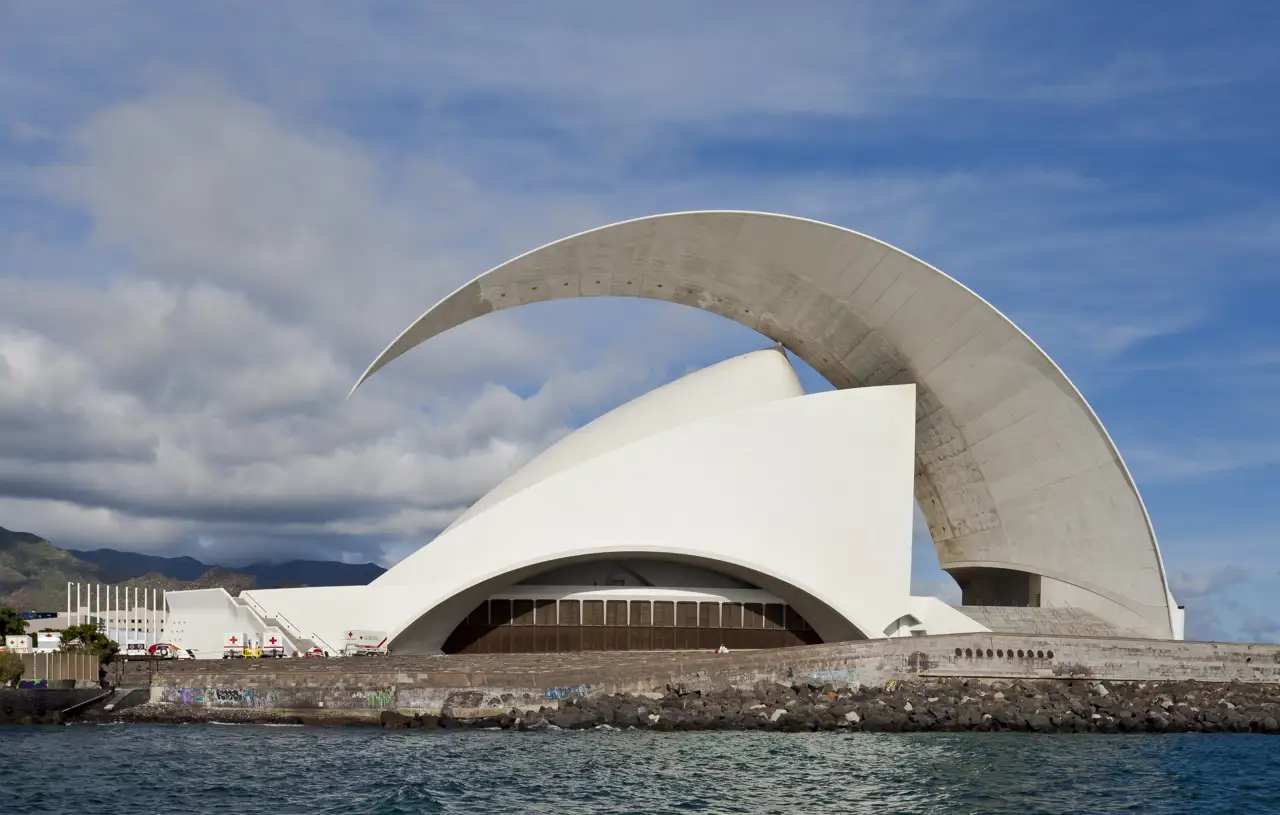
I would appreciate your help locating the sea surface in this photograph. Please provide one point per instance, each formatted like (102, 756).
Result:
(88, 769)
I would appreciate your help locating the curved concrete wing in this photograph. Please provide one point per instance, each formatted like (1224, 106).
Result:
(1023, 489)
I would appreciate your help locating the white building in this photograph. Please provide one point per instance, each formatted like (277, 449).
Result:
(729, 507)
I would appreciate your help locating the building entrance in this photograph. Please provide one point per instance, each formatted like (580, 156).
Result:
(523, 625)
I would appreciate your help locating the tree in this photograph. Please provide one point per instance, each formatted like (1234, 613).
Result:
(10, 669)
(87, 638)
(11, 624)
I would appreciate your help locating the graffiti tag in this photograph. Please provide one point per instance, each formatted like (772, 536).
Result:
(831, 675)
(379, 698)
(228, 695)
(568, 693)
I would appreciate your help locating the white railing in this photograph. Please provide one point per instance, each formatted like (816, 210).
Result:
(286, 623)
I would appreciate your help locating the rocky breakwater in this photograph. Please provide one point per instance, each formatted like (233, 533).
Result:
(1050, 706)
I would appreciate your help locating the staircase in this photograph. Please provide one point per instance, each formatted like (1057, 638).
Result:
(1046, 621)
(299, 642)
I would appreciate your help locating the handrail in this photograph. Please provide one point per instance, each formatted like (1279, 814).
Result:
(265, 615)
(293, 627)
(262, 612)
(314, 636)
(62, 713)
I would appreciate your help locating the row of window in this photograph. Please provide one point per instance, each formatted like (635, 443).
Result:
(636, 613)
(969, 653)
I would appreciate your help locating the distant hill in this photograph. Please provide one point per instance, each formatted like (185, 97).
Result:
(114, 566)
(34, 573)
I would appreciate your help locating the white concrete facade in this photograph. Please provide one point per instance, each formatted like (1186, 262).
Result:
(1014, 472)
(940, 400)
(731, 469)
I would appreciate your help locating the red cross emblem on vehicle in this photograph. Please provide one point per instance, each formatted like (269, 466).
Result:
(233, 640)
(351, 633)
(272, 640)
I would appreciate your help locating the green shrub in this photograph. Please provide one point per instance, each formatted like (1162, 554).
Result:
(87, 638)
(10, 669)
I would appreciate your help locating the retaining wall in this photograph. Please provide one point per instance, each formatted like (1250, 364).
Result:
(40, 705)
(484, 682)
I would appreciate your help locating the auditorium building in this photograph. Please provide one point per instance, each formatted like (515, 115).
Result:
(730, 507)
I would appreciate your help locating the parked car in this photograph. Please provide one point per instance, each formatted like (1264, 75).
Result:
(169, 650)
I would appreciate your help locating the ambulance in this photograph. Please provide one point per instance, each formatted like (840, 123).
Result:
(364, 643)
(234, 645)
(273, 643)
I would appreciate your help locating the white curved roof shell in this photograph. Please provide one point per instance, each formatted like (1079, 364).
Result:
(743, 381)
(763, 492)
(1013, 470)
(730, 468)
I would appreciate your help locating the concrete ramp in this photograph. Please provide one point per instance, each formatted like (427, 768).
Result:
(1061, 622)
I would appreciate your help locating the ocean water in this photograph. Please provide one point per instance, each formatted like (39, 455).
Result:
(90, 769)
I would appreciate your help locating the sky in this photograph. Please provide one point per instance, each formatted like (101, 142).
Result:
(214, 216)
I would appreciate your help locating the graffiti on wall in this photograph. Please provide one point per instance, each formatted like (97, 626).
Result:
(212, 696)
(749, 678)
(568, 693)
(378, 698)
(846, 675)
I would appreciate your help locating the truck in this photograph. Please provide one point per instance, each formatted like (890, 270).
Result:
(233, 645)
(135, 650)
(17, 644)
(364, 643)
(49, 641)
(273, 643)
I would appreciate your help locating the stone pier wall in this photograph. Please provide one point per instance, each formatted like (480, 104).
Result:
(478, 683)
(40, 705)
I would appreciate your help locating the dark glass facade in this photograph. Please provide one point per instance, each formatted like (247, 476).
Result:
(504, 626)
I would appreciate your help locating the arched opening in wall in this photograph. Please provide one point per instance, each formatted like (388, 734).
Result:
(625, 603)
(629, 605)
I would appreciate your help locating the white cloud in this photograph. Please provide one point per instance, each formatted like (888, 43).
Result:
(199, 393)
(1187, 586)
(91, 527)
(1260, 627)
(1204, 625)
(1204, 456)
(267, 204)
(945, 589)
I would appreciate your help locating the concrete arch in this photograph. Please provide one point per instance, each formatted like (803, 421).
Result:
(1013, 467)
(427, 631)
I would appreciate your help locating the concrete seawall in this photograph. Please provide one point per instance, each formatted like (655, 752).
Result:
(41, 706)
(478, 685)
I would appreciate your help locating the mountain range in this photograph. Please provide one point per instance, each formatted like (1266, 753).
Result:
(34, 573)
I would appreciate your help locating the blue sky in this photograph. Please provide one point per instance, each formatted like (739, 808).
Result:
(213, 216)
